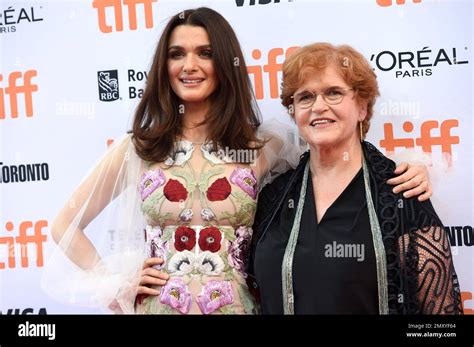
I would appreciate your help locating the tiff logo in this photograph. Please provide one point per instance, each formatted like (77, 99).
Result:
(14, 88)
(467, 296)
(426, 140)
(386, 3)
(116, 5)
(271, 70)
(23, 239)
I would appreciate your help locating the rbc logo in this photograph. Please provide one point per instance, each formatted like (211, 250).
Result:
(108, 85)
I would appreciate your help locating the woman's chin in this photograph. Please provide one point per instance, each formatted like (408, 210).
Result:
(321, 141)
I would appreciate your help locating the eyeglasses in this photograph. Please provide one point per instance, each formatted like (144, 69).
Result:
(331, 96)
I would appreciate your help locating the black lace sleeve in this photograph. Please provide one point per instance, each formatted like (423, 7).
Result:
(420, 270)
(426, 254)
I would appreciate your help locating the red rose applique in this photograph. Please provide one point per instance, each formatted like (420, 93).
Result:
(175, 191)
(219, 190)
(210, 239)
(184, 239)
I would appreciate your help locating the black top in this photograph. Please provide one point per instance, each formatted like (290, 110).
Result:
(334, 269)
(413, 236)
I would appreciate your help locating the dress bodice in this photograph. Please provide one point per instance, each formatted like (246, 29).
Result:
(199, 205)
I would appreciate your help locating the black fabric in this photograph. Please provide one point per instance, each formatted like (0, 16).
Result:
(326, 280)
(421, 275)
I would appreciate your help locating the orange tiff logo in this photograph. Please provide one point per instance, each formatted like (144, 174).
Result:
(467, 296)
(23, 239)
(426, 140)
(116, 7)
(271, 68)
(14, 88)
(386, 3)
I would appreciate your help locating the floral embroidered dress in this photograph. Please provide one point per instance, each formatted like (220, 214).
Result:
(199, 207)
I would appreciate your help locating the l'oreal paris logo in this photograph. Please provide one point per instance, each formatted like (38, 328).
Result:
(418, 63)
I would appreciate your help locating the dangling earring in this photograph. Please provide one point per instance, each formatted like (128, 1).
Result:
(361, 133)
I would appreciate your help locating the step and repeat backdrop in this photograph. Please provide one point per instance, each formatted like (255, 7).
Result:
(72, 73)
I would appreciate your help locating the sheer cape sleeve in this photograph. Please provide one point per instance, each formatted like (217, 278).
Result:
(281, 153)
(100, 236)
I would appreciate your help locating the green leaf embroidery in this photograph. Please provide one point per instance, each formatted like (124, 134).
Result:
(229, 275)
(151, 201)
(229, 234)
(246, 299)
(167, 234)
(188, 178)
(228, 216)
(227, 309)
(204, 179)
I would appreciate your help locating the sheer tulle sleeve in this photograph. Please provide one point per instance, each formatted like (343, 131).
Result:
(100, 236)
(281, 152)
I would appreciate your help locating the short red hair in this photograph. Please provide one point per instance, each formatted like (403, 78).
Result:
(352, 66)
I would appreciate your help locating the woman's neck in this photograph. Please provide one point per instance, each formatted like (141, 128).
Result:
(336, 161)
(194, 114)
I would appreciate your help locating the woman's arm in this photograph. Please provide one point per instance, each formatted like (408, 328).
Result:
(106, 181)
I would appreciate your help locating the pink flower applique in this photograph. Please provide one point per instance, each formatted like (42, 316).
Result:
(176, 295)
(246, 180)
(151, 180)
(214, 295)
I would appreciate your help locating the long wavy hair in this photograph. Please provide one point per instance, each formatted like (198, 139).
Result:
(233, 115)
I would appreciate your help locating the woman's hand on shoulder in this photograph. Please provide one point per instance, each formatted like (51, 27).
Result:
(413, 180)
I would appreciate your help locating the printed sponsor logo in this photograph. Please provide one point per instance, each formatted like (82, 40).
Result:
(25, 239)
(108, 85)
(421, 63)
(12, 17)
(117, 8)
(18, 83)
(24, 173)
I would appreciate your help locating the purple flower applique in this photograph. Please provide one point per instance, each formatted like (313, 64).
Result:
(238, 249)
(207, 214)
(151, 180)
(246, 180)
(177, 295)
(153, 231)
(155, 247)
(214, 295)
(186, 215)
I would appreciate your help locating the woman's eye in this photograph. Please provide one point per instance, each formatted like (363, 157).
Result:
(333, 92)
(206, 54)
(175, 54)
(304, 97)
